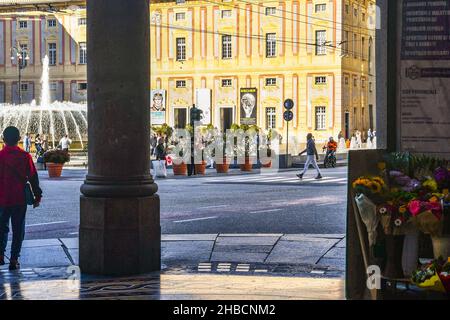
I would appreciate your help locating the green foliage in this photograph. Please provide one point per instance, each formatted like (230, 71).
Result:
(56, 156)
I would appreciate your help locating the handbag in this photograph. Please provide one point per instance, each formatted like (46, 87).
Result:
(30, 198)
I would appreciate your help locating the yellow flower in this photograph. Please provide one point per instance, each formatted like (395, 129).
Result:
(381, 166)
(379, 180)
(402, 209)
(445, 191)
(434, 199)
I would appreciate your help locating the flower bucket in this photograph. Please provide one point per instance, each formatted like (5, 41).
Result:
(200, 168)
(394, 248)
(179, 169)
(247, 166)
(441, 247)
(54, 169)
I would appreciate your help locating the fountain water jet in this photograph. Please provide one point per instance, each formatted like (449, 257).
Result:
(54, 120)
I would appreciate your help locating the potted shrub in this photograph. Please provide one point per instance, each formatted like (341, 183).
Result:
(248, 147)
(268, 147)
(55, 160)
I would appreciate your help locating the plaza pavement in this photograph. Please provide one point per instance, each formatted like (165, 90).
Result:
(194, 266)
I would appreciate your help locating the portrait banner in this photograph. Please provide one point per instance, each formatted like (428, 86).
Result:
(424, 77)
(158, 107)
(248, 104)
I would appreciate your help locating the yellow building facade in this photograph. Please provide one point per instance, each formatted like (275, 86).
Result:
(319, 53)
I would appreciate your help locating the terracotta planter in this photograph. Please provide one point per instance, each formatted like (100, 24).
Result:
(179, 169)
(247, 166)
(54, 169)
(394, 249)
(222, 168)
(200, 168)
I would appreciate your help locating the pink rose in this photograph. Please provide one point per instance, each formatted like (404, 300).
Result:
(414, 207)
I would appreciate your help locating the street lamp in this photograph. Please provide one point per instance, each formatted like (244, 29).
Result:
(22, 57)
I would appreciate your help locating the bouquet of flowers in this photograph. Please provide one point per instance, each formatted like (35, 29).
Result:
(434, 276)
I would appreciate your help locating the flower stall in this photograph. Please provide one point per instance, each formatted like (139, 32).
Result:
(404, 206)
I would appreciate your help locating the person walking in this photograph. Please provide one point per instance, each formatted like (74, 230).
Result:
(153, 143)
(311, 157)
(27, 143)
(16, 170)
(65, 143)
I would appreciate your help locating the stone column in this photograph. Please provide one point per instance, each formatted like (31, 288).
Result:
(119, 222)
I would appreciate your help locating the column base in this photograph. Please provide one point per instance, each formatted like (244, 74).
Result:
(120, 236)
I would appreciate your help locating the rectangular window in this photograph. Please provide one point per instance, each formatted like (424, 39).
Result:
(363, 83)
(53, 86)
(82, 86)
(321, 39)
(370, 87)
(271, 11)
(23, 24)
(226, 83)
(52, 54)
(354, 45)
(180, 83)
(83, 53)
(226, 14)
(181, 49)
(271, 45)
(346, 39)
(320, 118)
(82, 21)
(321, 80)
(322, 7)
(347, 9)
(180, 1)
(226, 47)
(346, 80)
(180, 16)
(271, 81)
(24, 87)
(271, 118)
(355, 12)
(24, 49)
(363, 48)
(51, 23)
(355, 82)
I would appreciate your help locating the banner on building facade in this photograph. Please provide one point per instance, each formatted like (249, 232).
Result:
(248, 104)
(158, 107)
(203, 102)
(424, 77)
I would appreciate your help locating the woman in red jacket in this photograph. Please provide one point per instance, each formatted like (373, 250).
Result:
(16, 168)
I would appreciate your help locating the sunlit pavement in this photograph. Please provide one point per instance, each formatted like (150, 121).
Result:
(173, 286)
(237, 236)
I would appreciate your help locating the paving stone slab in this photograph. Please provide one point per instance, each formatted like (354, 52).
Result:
(37, 243)
(242, 248)
(301, 237)
(342, 243)
(186, 250)
(48, 256)
(247, 257)
(188, 237)
(70, 243)
(246, 240)
(253, 235)
(333, 263)
(305, 252)
(338, 253)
